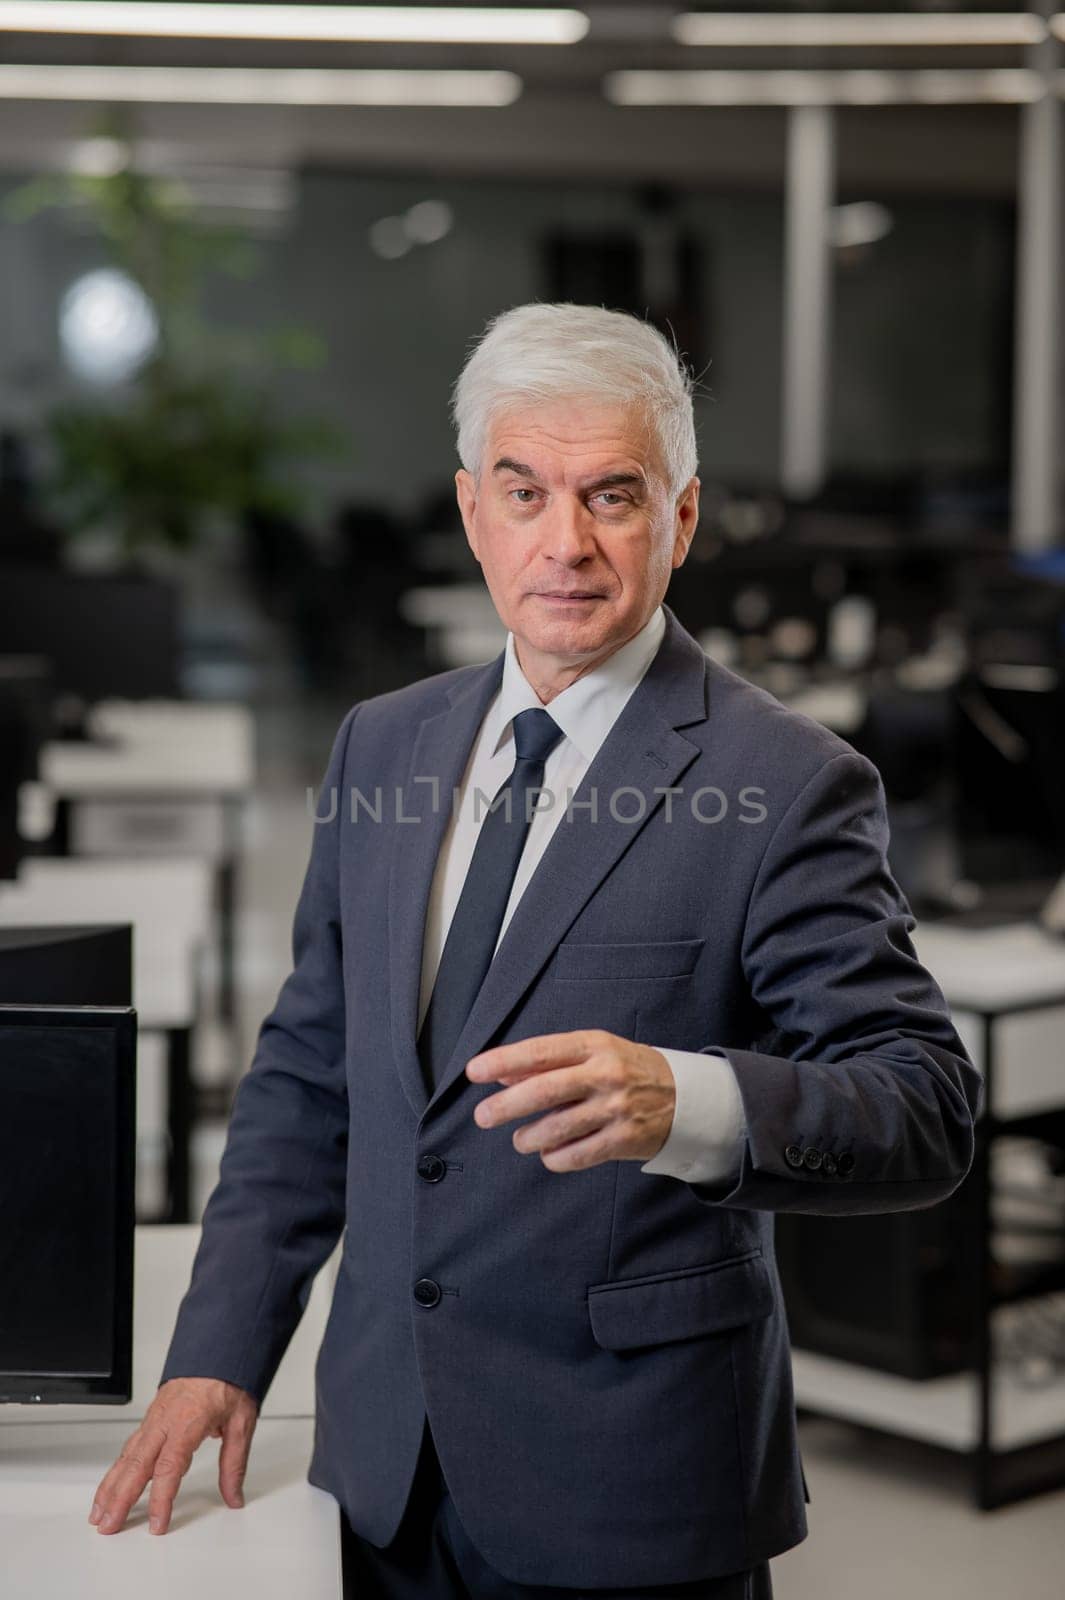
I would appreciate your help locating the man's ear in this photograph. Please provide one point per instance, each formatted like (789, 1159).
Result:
(466, 494)
(686, 520)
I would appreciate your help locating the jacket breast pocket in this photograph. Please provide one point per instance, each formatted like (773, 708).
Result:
(610, 984)
(578, 961)
(664, 1306)
(639, 989)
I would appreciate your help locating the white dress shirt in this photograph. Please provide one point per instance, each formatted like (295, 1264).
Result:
(705, 1140)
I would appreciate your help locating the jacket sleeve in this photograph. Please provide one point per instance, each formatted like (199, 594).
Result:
(870, 1103)
(278, 1208)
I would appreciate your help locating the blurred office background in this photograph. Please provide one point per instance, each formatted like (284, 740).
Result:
(238, 277)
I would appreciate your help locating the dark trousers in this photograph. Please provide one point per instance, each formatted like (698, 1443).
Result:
(432, 1558)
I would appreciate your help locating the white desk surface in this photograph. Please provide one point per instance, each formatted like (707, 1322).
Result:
(167, 748)
(992, 968)
(168, 903)
(284, 1541)
(162, 1266)
(450, 605)
(839, 706)
(942, 1411)
(143, 718)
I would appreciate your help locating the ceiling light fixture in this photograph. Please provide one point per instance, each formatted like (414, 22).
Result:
(287, 86)
(855, 29)
(1010, 86)
(332, 24)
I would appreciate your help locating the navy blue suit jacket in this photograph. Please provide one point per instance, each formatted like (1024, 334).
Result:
(603, 1354)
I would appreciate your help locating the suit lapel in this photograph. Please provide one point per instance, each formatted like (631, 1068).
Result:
(642, 753)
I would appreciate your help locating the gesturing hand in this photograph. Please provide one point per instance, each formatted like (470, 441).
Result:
(607, 1098)
(185, 1411)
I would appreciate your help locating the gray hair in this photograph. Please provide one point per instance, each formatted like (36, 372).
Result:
(539, 352)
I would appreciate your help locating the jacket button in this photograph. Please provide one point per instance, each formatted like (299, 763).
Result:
(845, 1163)
(828, 1163)
(793, 1156)
(426, 1292)
(811, 1158)
(431, 1168)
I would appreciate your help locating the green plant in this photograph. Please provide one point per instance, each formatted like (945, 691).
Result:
(196, 433)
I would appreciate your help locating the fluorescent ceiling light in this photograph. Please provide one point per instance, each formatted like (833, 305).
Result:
(807, 88)
(288, 86)
(829, 29)
(406, 24)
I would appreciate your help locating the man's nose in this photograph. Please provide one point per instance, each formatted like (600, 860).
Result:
(569, 533)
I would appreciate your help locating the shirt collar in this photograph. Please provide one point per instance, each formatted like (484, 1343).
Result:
(588, 709)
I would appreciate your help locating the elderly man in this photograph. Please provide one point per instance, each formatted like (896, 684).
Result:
(598, 963)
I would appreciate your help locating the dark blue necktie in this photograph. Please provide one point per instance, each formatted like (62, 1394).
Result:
(471, 937)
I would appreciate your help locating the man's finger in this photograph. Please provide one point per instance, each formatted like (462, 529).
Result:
(542, 1051)
(124, 1483)
(542, 1091)
(171, 1467)
(574, 1121)
(233, 1459)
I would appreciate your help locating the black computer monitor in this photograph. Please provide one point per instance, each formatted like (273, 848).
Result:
(25, 695)
(67, 1150)
(105, 634)
(61, 965)
(1009, 754)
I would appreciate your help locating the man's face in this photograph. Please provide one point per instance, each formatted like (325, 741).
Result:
(575, 529)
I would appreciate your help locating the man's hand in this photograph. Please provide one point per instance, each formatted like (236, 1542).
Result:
(185, 1411)
(607, 1098)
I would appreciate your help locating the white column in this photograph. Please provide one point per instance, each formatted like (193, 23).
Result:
(807, 299)
(1035, 498)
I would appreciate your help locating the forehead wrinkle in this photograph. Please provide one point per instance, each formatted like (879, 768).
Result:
(626, 433)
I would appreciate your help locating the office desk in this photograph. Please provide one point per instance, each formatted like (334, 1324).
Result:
(840, 706)
(462, 624)
(285, 1541)
(168, 904)
(1006, 989)
(161, 747)
(1012, 977)
(168, 778)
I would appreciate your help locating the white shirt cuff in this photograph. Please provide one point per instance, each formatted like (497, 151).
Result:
(705, 1141)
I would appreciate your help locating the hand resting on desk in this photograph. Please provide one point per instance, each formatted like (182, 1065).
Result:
(183, 1414)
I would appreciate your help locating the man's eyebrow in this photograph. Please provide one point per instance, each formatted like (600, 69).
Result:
(618, 480)
(609, 480)
(508, 464)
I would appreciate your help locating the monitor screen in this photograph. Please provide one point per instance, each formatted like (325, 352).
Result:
(102, 633)
(67, 1148)
(60, 964)
(1010, 761)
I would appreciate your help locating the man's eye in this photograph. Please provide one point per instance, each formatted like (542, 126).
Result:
(609, 495)
(524, 491)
